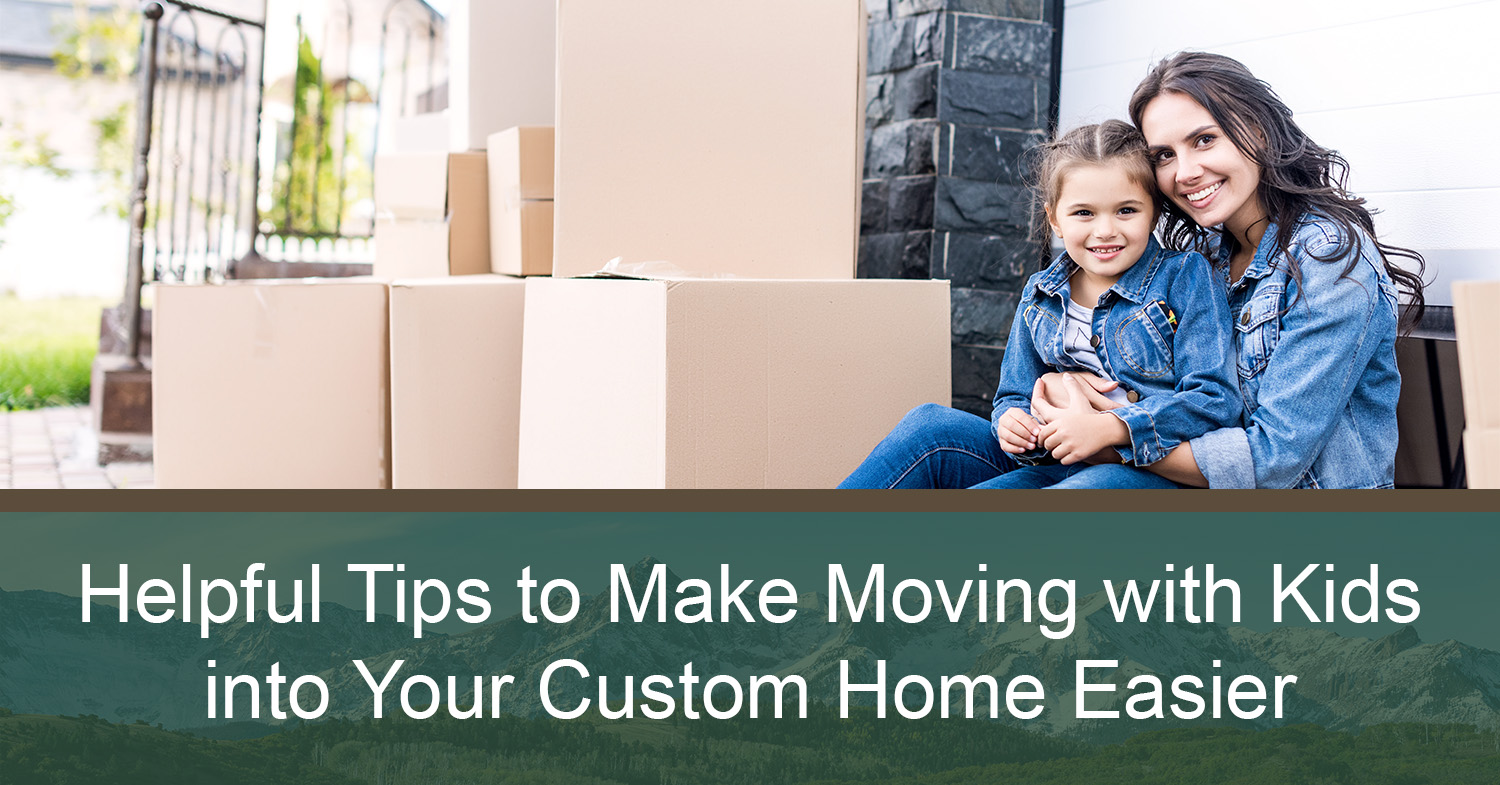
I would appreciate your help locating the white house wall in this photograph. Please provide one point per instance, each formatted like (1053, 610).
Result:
(1411, 96)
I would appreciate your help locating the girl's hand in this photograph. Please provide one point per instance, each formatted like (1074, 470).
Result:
(1076, 431)
(1049, 389)
(1018, 431)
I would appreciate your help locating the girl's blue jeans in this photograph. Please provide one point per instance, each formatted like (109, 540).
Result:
(937, 447)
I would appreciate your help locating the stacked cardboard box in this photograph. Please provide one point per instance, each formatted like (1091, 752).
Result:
(721, 383)
(521, 167)
(455, 381)
(1476, 323)
(732, 161)
(714, 139)
(271, 384)
(432, 215)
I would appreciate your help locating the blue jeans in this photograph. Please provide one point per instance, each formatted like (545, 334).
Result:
(937, 447)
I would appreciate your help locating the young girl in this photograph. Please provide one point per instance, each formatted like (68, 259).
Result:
(1115, 304)
(1313, 296)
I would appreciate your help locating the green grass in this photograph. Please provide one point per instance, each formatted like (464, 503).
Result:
(46, 349)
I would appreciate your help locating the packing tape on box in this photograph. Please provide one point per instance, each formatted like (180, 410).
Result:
(263, 336)
(657, 271)
(412, 214)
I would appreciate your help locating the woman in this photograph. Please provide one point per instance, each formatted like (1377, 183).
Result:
(1312, 293)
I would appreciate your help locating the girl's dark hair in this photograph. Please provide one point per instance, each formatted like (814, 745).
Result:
(1297, 177)
(1110, 143)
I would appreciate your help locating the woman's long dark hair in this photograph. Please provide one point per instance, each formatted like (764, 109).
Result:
(1297, 177)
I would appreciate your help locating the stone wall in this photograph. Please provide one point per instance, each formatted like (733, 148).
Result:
(957, 91)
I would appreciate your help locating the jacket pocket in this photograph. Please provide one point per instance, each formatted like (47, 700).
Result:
(1043, 327)
(1257, 327)
(1144, 341)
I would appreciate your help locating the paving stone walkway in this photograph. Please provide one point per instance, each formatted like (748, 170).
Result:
(56, 448)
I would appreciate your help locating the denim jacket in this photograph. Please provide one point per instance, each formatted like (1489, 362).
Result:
(1316, 368)
(1163, 333)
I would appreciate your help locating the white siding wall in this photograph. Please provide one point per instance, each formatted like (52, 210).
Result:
(1409, 93)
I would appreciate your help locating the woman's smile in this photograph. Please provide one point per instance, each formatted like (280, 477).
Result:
(1197, 198)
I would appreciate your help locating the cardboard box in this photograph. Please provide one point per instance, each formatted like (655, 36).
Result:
(710, 138)
(1482, 457)
(432, 215)
(502, 68)
(455, 381)
(271, 384)
(1476, 322)
(722, 383)
(521, 177)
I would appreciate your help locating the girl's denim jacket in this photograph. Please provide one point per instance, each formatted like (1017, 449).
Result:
(1316, 361)
(1162, 332)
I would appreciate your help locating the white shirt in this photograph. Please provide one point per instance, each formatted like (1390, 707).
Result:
(1078, 345)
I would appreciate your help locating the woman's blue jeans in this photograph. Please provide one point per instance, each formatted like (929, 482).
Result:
(937, 447)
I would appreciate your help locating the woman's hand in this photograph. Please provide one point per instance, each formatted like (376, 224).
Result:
(1076, 431)
(1049, 389)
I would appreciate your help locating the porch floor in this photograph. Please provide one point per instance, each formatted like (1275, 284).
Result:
(56, 448)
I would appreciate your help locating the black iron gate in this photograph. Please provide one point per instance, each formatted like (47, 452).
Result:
(235, 176)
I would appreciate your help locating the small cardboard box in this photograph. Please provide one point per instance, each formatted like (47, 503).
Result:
(1476, 322)
(271, 384)
(722, 383)
(432, 215)
(455, 381)
(718, 152)
(521, 177)
(1482, 457)
(502, 68)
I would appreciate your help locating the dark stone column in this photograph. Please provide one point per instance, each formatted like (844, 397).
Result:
(958, 91)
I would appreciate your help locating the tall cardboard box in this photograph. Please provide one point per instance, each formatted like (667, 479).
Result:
(722, 383)
(521, 178)
(432, 215)
(716, 137)
(1476, 322)
(1482, 457)
(502, 57)
(271, 384)
(455, 381)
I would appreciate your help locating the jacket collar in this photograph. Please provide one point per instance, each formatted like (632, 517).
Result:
(1262, 264)
(1132, 285)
